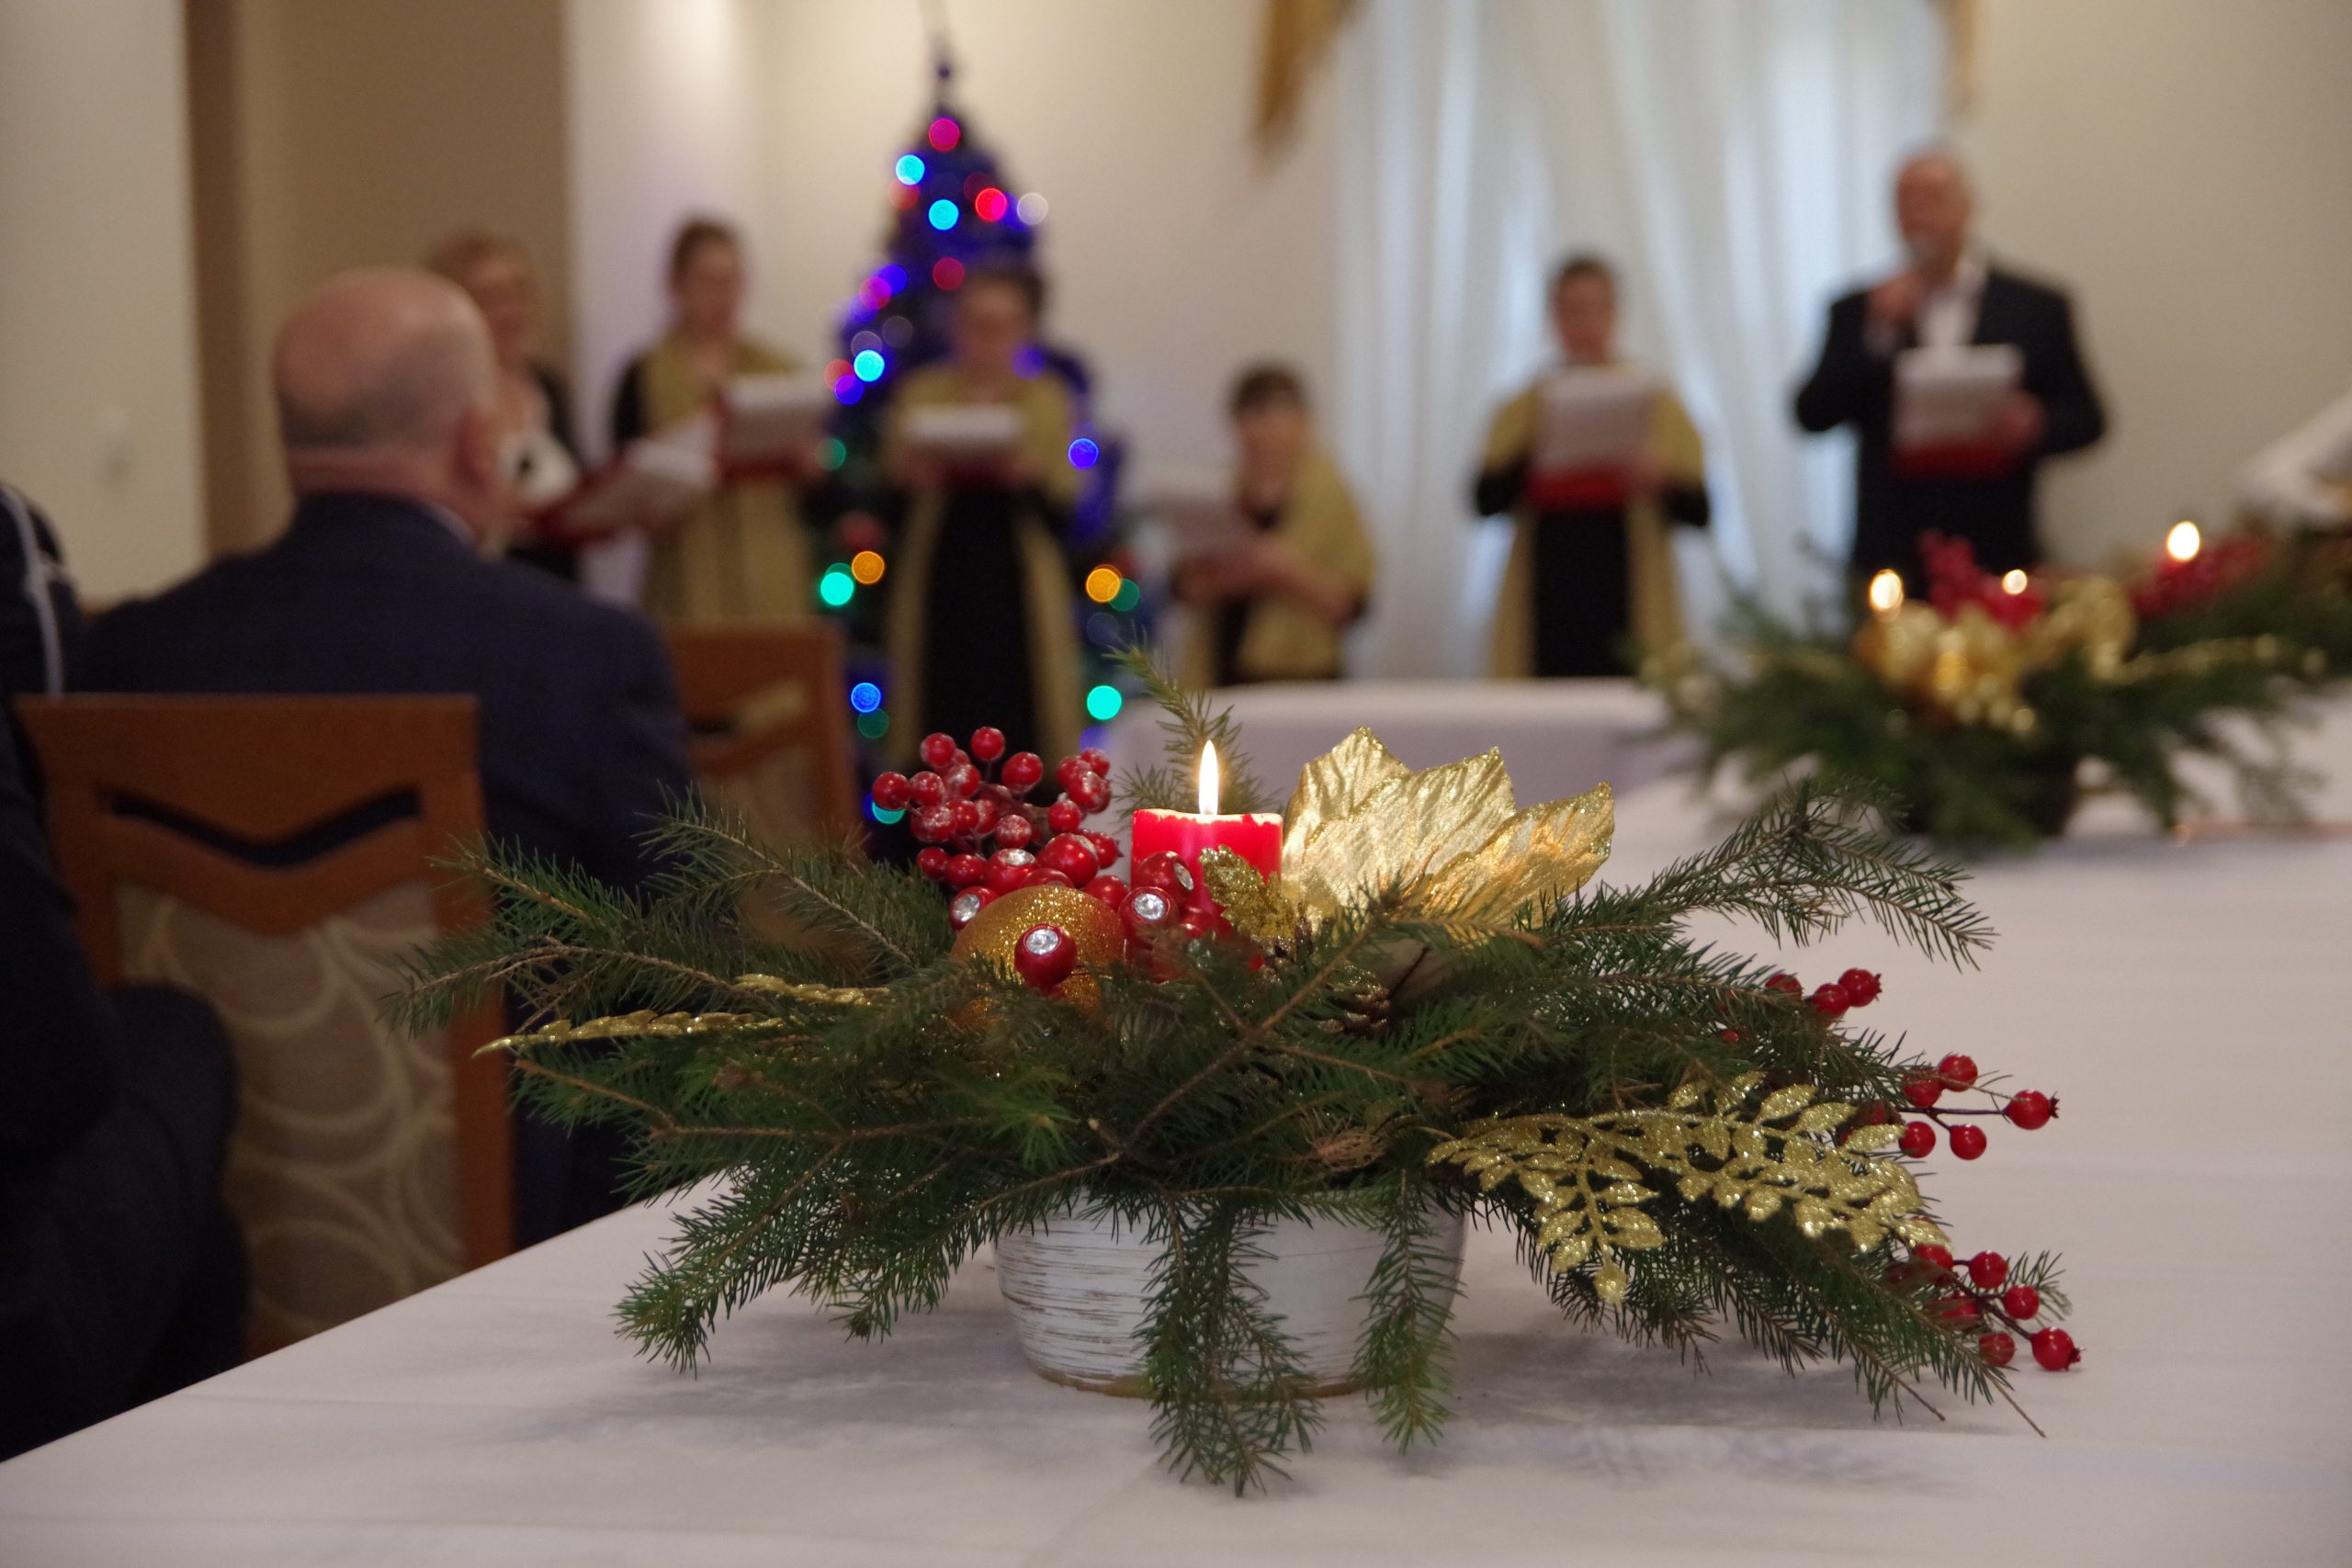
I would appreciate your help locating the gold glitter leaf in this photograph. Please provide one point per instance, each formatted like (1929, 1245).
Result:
(1584, 1178)
(1870, 1140)
(629, 1026)
(1251, 905)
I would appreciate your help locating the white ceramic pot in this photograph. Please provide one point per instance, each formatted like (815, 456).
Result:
(1077, 1288)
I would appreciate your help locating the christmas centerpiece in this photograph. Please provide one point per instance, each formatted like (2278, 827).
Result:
(1223, 1118)
(1981, 708)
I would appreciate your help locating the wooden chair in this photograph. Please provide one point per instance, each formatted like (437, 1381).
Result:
(767, 706)
(366, 1163)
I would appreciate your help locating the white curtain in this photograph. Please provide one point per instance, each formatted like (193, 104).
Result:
(1731, 156)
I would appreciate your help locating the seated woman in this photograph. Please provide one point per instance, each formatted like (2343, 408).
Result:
(1272, 604)
(981, 611)
(742, 555)
(540, 457)
(1591, 566)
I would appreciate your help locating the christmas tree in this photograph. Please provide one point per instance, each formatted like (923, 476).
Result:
(953, 207)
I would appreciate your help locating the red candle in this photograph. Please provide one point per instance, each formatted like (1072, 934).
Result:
(1256, 836)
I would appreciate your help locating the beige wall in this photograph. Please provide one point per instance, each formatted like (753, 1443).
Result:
(329, 136)
(1174, 258)
(97, 350)
(2187, 167)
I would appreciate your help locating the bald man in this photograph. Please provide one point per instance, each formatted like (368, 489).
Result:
(387, 410)
(1949, 295)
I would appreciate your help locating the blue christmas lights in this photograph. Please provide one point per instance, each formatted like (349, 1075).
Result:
(868, 365)
(909, 169)
(865, 697)
(944, 214)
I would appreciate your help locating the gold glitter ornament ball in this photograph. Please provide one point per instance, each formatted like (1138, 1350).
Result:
(995, 932)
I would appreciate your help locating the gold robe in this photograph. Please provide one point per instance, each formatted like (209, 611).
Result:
(741, 557)
(1654, 603)
(1046, 595)
(1283, 639)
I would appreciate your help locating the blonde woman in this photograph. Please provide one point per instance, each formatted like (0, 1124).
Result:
(742, 556)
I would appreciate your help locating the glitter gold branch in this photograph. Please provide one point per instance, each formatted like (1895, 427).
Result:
(643, 1023)
(1585, 1175)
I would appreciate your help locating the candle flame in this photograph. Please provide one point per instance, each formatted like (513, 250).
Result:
(1886, 593)
(2183, 543)
(1208, 779)
(2013, 581)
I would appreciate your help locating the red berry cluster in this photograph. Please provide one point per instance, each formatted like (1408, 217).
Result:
(2183, 586)
(1970, 1296)
(2027, 1110)
(1831, 998)
(1955, 579)
(964, 800)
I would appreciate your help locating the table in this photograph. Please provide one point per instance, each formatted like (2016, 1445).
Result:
(1559, 738)
(2189, 1003)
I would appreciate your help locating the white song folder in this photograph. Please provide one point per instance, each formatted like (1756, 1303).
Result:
(1947, 397)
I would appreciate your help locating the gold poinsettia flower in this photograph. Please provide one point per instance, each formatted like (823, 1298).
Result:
(1451, 837)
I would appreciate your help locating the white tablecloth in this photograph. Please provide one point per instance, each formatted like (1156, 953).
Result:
(2191, 1006)
(1558, 737)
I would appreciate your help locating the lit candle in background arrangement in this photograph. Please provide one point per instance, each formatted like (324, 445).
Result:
(1886, 593)
(2181, 545)
(1255, 836)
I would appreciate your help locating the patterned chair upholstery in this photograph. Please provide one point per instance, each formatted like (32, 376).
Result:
(771, 731)
(274, 854)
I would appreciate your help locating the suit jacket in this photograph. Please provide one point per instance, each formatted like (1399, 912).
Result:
(582, 743)
(1851, 385)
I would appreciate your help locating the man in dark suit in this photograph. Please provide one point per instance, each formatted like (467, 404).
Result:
(1947, 296)
(388, 414)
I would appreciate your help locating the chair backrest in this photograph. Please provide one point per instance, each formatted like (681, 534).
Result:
(771, 727)
(275, 856)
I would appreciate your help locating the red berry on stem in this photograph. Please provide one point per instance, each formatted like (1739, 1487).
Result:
(927, 789)
(965, 904)
(1197, 925)
(1862, 987)
(1967, 1142)
(1922, 1090)
(963, 781)
(2030, 1110)
(984, 813)
(1987, 1270)
(1108, 889)
(1785, 982)
(1150, 911)
(1106, 848)
(939, 751)
(1998, 1349)
(1045, 956)
(1068, 771)
(1064, 816)
(931, 824)
(1167, 871)
(1021, 771)
(1934, 1257)
(1093, 792)
(962, 759)
(988, 743)
(891, 792)
(932, 862)
(1958, 1072)
(1097, 760)
(1829, 1000)
(2054, 1349)
(2021, 1302)
(1960, 1310)
(967, 814)
(1013, 830)
(1046, 876)
(1008, 869)
(967, 871)
(1072, 856)
(1918, 1139)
